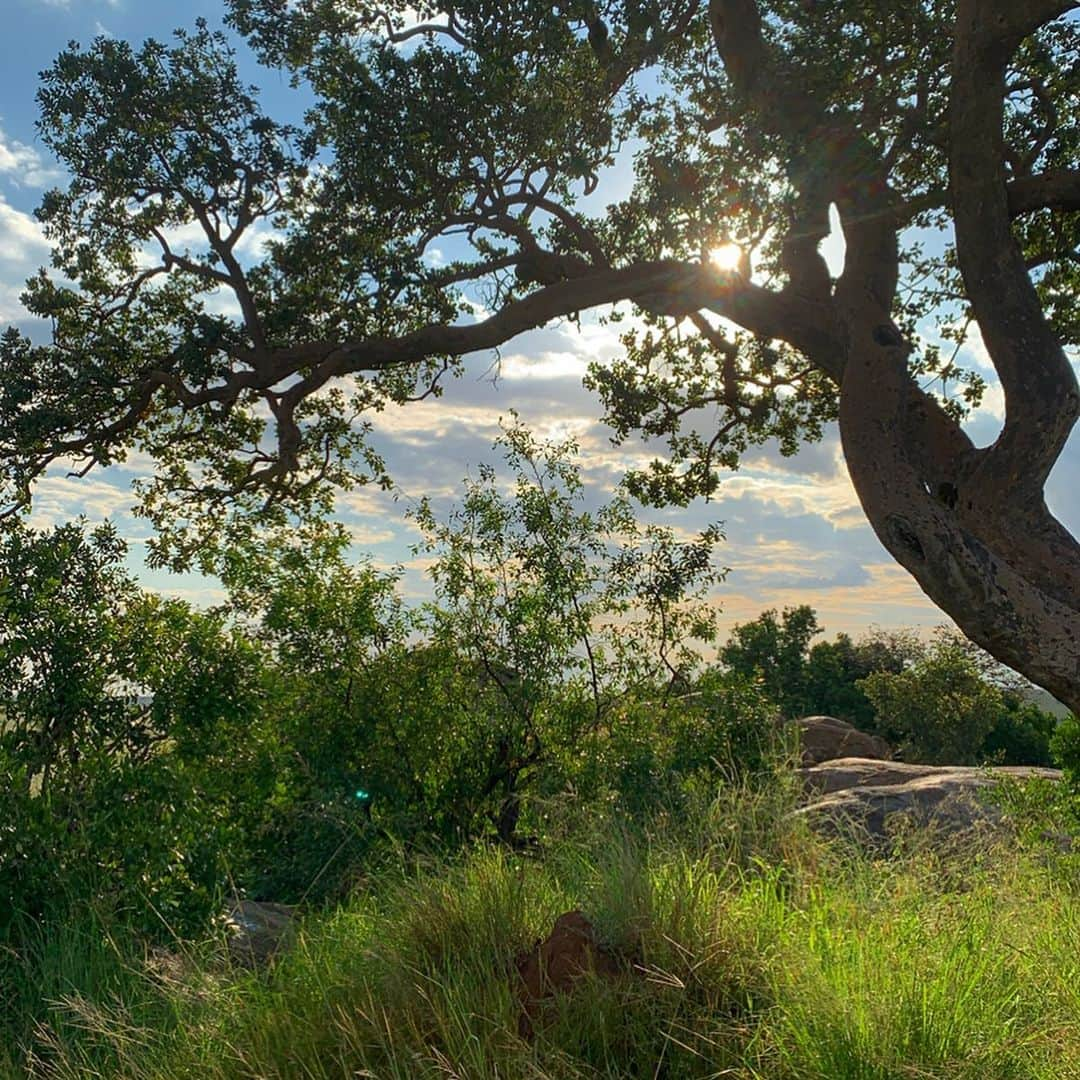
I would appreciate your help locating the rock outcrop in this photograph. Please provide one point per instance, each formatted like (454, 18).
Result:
(824, 738)
(865, 795)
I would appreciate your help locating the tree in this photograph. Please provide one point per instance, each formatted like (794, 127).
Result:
(946, 708)
(834, 668)
(565, 620)
(747, 120)
(820, 679)
(773, 652)
(939, 710)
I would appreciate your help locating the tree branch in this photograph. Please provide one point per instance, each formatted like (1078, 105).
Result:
(676, 286)
(1003, 24)
(1058, 189)
(1042, 399)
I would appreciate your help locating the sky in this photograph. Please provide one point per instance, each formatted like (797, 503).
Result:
(794, 531)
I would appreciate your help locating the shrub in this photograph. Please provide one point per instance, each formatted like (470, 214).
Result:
(1065, 746)
(954, 705)
(126, 749)
(939, 710)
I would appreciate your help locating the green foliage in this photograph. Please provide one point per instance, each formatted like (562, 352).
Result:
(773, 651)
(1065, 746)
(822, 679)
(834, 669)
(947, 708)
(167, 139)
(123, 717)
(669, 753)
(575, 622)
(316, 740)
(153, 754)
(326, 629)
(1022, 734)
(948, 703)
(938, 711)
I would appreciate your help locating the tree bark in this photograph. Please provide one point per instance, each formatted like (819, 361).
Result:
(969, 563)
(971, 526)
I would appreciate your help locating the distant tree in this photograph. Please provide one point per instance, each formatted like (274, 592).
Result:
(773, 651)
(819, 679)
(473, 129)
(954, 705)
(939, 710)
(1022, 734)
(834, 669)
(1065, 746)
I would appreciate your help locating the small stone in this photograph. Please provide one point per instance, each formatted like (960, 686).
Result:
(257, 930)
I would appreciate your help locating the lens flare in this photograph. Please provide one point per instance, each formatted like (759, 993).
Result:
(726, 257)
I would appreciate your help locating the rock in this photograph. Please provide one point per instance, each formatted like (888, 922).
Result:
(866, 794)
(824, 738)
(851, 772)
(257, 930)
(552, 966)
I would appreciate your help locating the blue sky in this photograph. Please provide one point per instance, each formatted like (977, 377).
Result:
(795, 533)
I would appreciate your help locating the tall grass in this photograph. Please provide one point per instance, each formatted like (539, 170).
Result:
(749, 949)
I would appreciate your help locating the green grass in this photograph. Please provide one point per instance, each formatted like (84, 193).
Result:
(751, 949)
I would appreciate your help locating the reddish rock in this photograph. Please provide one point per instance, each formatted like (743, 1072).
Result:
(552, 966)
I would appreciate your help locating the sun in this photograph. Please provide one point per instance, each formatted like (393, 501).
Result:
(726, 257)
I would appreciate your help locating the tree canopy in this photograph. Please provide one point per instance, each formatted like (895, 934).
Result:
(943, 135)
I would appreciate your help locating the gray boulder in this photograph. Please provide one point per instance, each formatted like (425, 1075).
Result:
(867, 796)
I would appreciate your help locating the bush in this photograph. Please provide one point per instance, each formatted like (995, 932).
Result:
(577, 624)
(154, 755)
(1021, 734)
(955, 706)
(128, 740)
(1065, 747)
(937, 711)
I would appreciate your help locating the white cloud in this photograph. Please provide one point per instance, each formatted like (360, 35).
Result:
(253, 242)
(25, 165)
(548, 365)
(23, 248)
(21, 238)
(60, 497)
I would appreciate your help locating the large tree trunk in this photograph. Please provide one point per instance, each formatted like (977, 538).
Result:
(1006, 577)
(970, 525)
